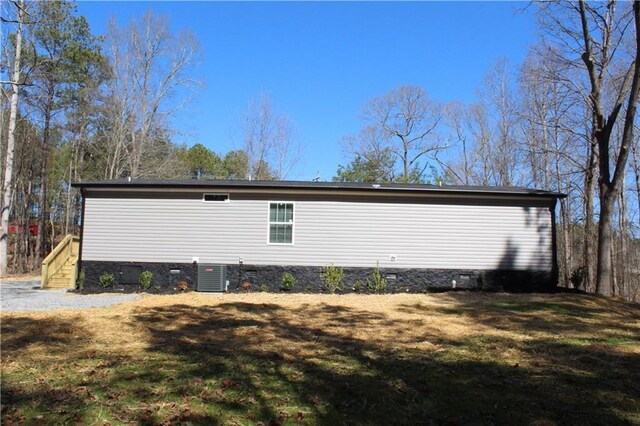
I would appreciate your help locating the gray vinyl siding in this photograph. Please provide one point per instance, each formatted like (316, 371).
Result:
(345, 233)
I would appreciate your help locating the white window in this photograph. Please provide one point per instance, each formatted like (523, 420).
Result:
(281, 223)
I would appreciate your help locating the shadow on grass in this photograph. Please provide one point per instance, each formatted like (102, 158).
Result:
(288, 360)
(21, 332)
(597, 318)
(63, 379)
(33, 387)
(319, 364)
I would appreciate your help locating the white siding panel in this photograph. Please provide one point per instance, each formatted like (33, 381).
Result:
(344, 233)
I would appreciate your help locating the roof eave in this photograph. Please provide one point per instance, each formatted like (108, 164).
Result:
(266, 185)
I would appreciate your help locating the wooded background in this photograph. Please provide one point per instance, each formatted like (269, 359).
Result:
(77, 106)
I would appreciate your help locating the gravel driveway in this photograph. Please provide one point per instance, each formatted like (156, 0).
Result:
(27, 296)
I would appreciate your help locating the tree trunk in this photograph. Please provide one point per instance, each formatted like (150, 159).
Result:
(466, 161)
(26, 235)
(636, 172)
(589, 187)
(610, 187)
(604, 282)
(622, 265)
(8, 168)
(42, 195)
(405, 161)
(67, 205)
(566, 242)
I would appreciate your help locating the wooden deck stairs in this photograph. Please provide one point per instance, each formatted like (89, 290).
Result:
(59, 268)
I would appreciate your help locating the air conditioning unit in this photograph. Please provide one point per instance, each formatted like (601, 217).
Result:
(212, 278)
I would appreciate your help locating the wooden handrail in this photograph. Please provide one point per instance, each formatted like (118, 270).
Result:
(58, 257)
(61, 245)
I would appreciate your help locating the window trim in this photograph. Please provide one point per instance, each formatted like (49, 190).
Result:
(293, 223)
(204, 194)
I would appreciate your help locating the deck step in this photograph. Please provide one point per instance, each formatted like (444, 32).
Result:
(54, 283)
(63, 278)
(59, 277)
(63, 274)
(64, 258)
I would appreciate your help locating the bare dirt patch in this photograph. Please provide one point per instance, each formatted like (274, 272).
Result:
(20, 277)
(456, 358)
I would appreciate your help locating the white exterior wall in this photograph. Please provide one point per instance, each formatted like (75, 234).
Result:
(356, 234)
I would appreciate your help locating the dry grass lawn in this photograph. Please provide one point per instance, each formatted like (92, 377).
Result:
(451, 358)
(20, 277)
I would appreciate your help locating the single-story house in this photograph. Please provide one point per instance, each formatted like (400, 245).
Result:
(223, 235)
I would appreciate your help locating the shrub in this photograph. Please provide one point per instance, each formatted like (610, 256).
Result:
(288, 281)
(264, 288)
(332, 277)
(145, 279)
(578, 276)
(182, 286)
(246, 286)
(377, 283)
(107, 279)
(357, 286)
(81, 281)
(157, 288)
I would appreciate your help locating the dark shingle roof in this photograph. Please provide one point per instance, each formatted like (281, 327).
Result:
(304, 185)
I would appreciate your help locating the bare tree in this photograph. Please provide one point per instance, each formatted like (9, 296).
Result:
(552, 144)
(598, 54)
(405, 121)
(497, 96)
(475, 133)
(482, 133)
(456, 118)
(487, 132)
(269, 141)
(633, 245)
(372, 161)
(635, 165)
(9, 154)
(150, 69)
(597, 39)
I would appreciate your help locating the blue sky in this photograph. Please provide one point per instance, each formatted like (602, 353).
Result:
(321, 62)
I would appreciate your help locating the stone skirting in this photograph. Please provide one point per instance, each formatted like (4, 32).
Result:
(162, 281)
(168, 276)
